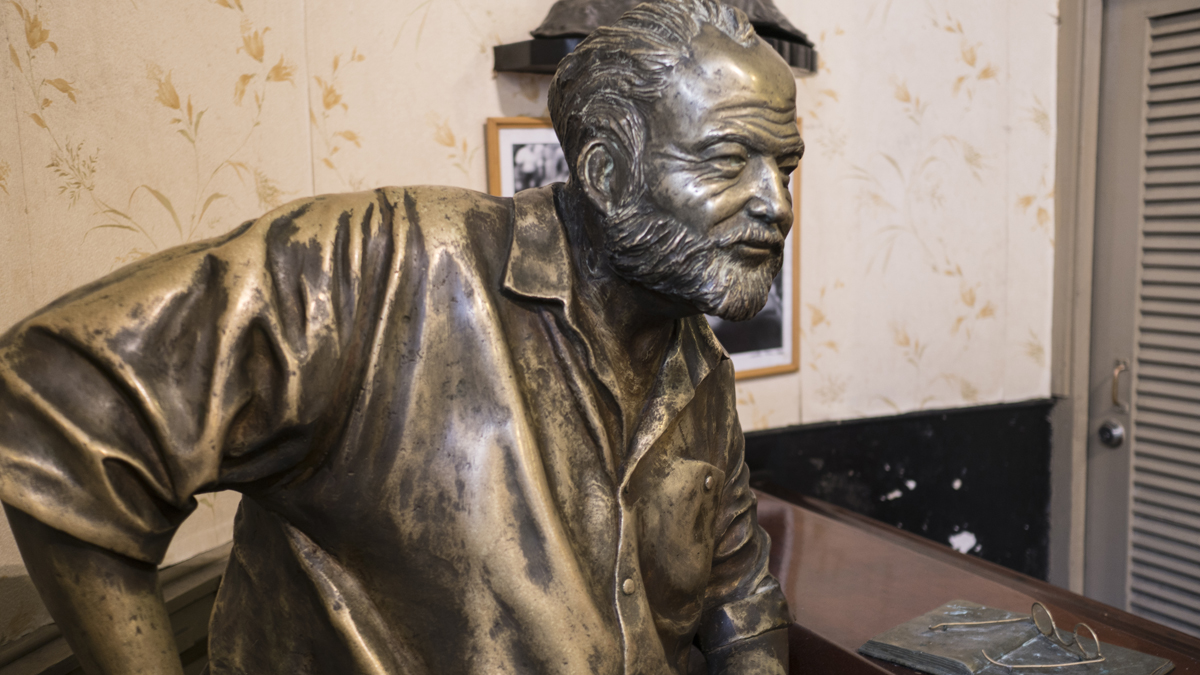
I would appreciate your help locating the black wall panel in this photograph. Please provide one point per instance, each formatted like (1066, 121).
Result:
(978, 475)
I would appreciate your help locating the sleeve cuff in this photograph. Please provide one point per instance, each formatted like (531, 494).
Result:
(742, 619)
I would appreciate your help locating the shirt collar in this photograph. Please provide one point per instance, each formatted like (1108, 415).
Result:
(539, 259)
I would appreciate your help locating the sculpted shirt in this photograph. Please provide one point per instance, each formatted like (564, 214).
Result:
(434, 477)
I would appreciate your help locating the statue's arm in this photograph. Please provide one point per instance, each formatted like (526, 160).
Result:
(744, 627)
(121, 401)
(109, 606)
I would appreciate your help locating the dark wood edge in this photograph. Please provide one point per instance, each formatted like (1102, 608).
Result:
(1046, 593)
(809, 652)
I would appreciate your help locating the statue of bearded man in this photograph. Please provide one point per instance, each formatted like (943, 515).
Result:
(472, 434)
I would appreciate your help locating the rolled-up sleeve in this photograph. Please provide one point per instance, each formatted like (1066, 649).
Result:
(204, 367)
(743, 601)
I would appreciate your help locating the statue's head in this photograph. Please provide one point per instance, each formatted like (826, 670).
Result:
(679, 126)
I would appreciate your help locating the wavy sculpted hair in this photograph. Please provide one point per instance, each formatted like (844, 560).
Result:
(604, 88)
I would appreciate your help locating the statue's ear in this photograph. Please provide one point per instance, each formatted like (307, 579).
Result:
(601, 176)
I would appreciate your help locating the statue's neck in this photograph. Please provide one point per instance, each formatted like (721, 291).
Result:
(629, 325)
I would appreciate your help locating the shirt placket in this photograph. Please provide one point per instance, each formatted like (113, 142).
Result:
(641, 651)
(673, 392)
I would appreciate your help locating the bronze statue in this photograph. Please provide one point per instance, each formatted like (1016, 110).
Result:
(473, 434)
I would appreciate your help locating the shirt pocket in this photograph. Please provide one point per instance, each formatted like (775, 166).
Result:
(676, 516)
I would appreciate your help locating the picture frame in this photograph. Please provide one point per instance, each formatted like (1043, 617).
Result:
(523, 152)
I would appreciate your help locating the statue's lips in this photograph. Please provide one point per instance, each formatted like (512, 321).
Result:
(758, 246)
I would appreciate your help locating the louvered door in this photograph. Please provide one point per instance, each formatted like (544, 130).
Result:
(1143, 549)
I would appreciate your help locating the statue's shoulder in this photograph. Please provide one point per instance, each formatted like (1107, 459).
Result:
(429, 208)
(432, 217)
(436, 208)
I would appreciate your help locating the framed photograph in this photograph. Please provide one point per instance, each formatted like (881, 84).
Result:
(523, 152)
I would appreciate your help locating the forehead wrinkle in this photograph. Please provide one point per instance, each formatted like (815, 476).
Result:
(756, 105)
(750, 116)
(754, 129)
(754, 116)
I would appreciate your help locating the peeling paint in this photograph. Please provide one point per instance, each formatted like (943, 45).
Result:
(910, 484)
(957, 484)
(894, 494)
(963, 542)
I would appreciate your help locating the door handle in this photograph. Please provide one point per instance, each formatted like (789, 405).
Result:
(1112, 433)
(1118, 368)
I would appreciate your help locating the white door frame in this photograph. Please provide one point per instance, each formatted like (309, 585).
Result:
(1079, 42)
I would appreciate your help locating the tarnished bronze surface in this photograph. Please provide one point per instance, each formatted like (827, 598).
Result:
(473, 435)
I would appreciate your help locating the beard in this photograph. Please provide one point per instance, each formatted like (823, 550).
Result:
(654, 250)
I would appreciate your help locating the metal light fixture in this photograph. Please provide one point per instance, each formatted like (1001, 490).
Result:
(569, 21)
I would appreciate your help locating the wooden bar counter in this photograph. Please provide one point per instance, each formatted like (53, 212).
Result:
(848, 578)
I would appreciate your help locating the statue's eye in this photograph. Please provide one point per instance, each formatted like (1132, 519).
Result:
(787, 164)
(728, 163)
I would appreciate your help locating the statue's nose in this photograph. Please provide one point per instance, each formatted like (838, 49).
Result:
(772, 203)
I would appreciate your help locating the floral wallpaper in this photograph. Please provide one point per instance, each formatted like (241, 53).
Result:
(926, 197)
(927, 233)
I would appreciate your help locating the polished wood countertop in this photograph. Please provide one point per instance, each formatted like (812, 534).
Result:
(848, 578)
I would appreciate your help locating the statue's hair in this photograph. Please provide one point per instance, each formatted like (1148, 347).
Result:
(605, 87)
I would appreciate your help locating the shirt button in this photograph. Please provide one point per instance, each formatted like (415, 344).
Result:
(708, 482)
(628, 587)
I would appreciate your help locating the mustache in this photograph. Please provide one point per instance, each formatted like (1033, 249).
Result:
(755, 234)
(644, 233)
